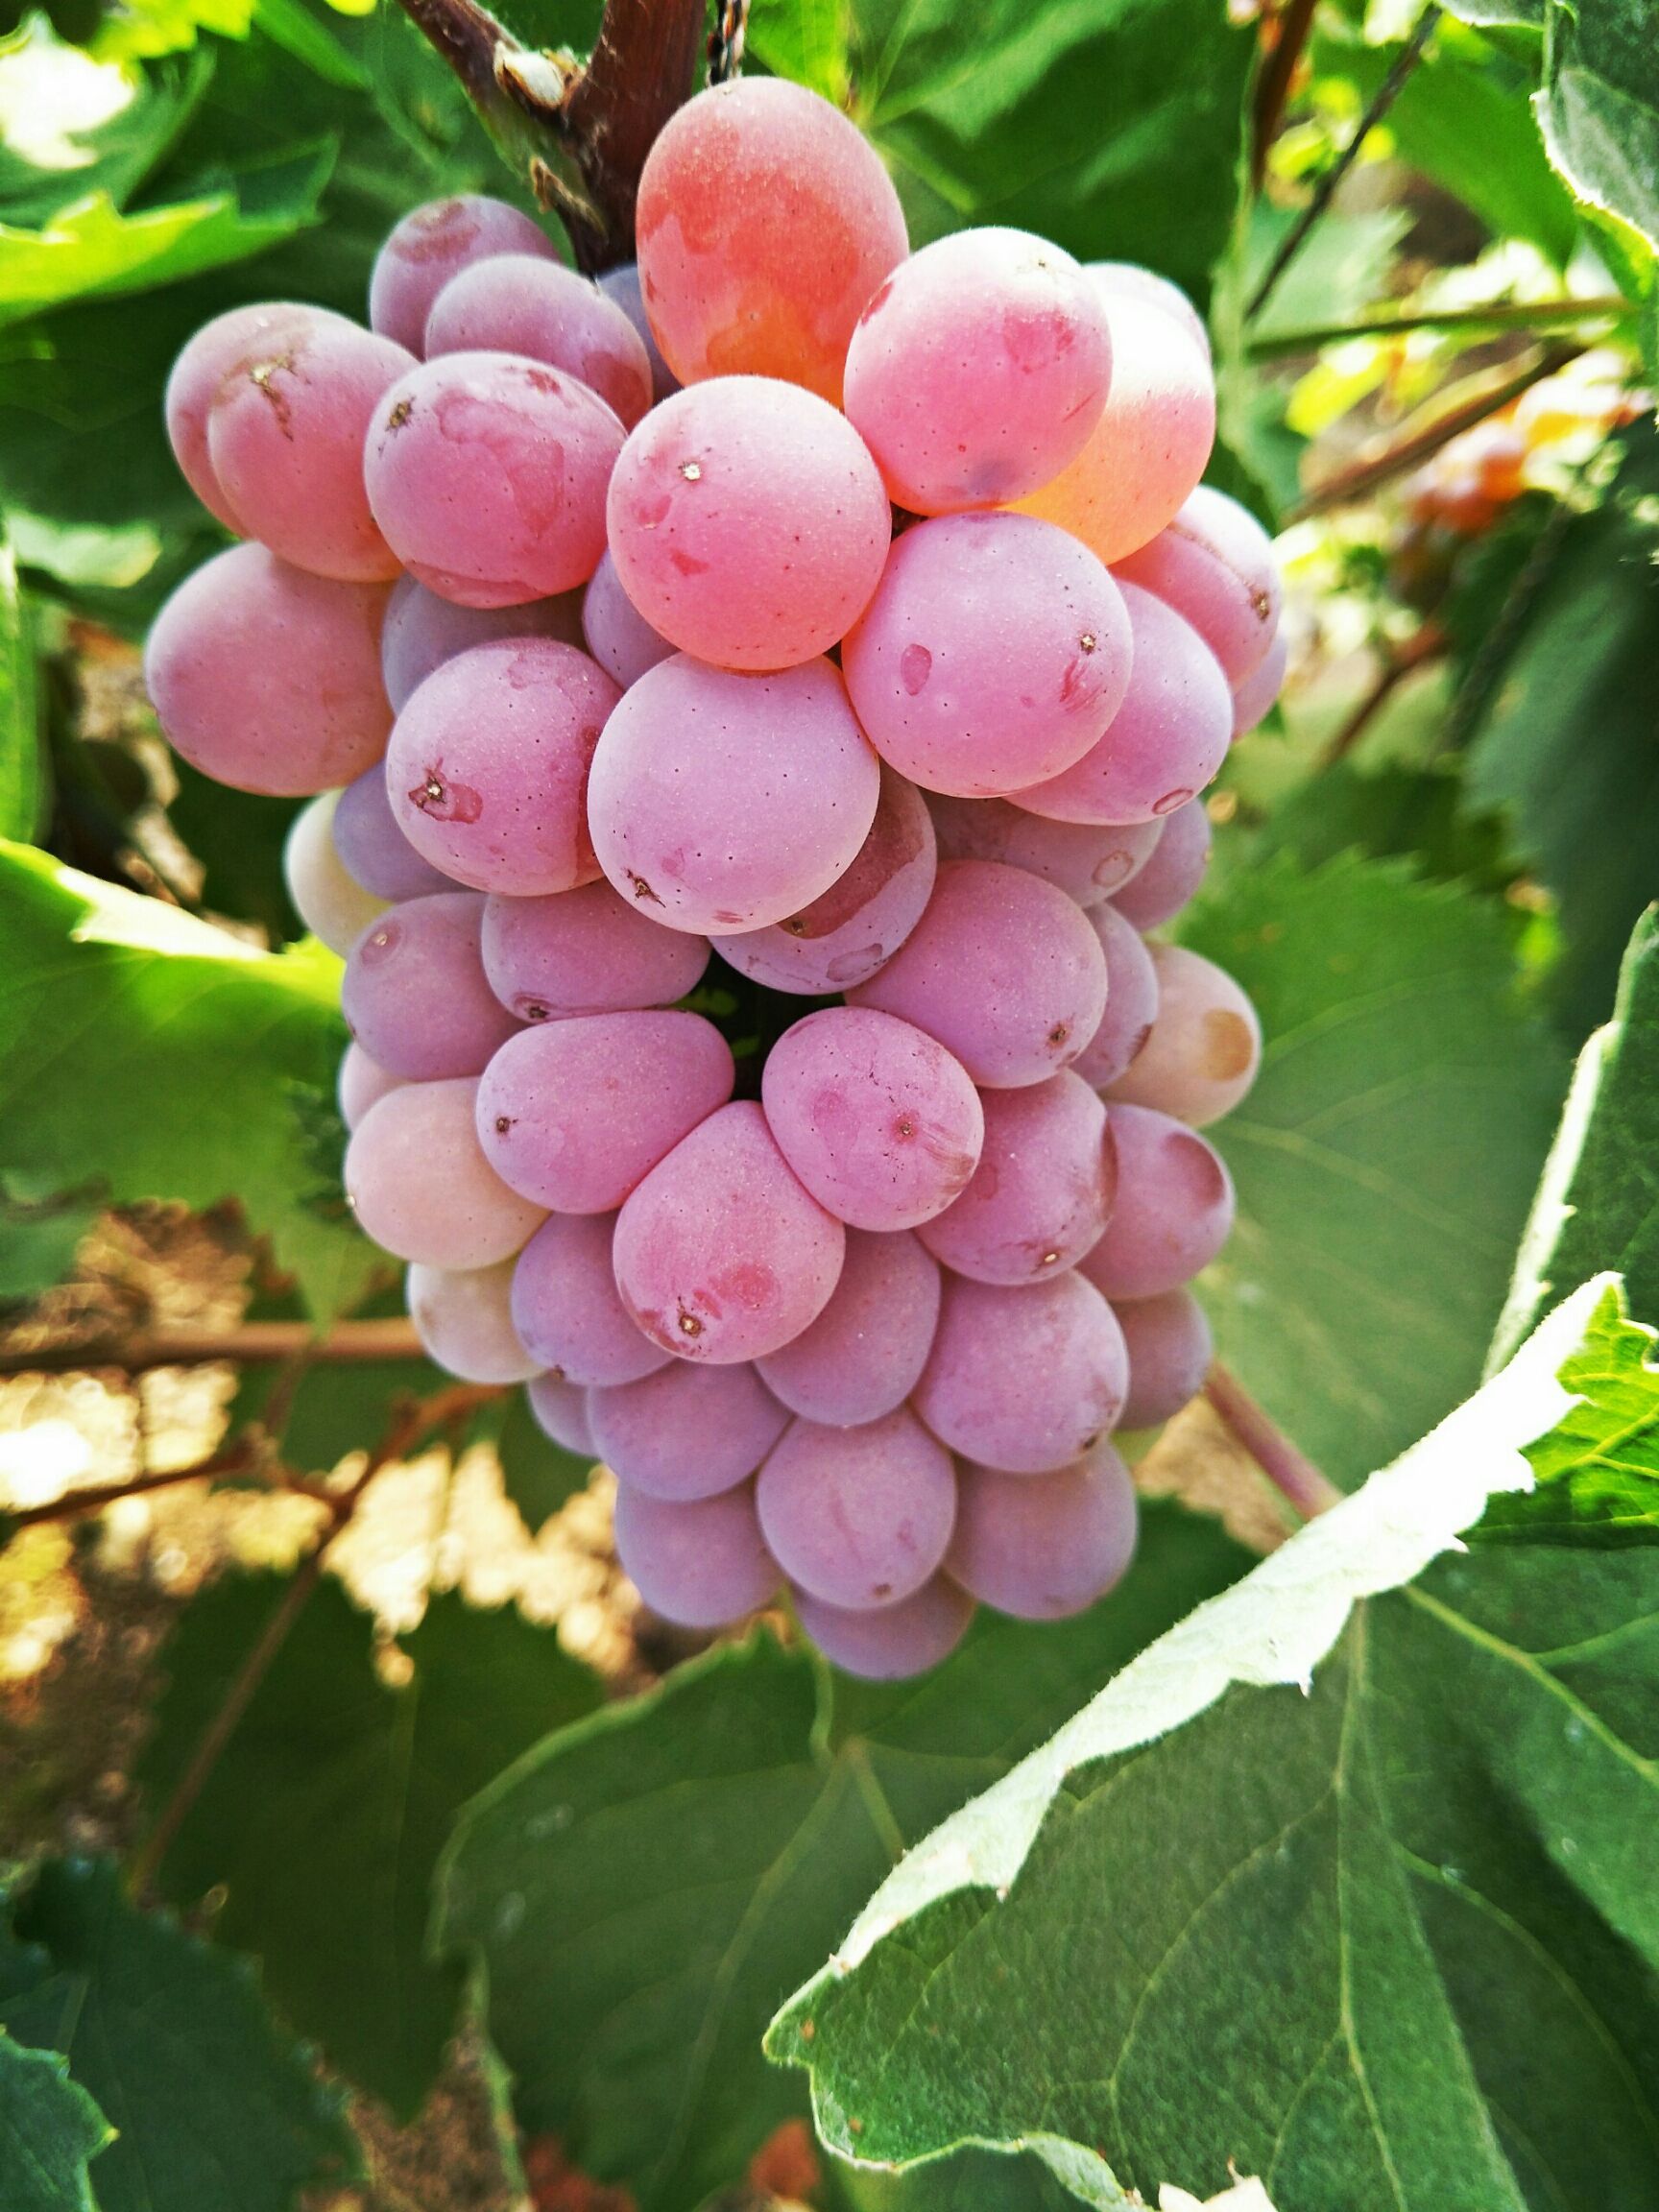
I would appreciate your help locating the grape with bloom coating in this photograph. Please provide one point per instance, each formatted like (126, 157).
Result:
(686, 1432)
(372, 847)
(585, 952)
(566, 1307)
(1213, 563)
(857, 1517)
(617, 634)
(216, 351)
(1043, 1546)
(1173, 1210)
(361, 1084)
(622, 284)
(560, 1411)
(430, 247)
(765, 222)
(864, 1353)
(422, 632)
(721, 1254)
(1205, 1047)
(1169, 1347)
(327, 897)
(463, 1319)
(1131, 1000)
(889, 1643)
(1153, 291)
(414, 995)
(1024, 1378)
(748, 522)
(1088, 860)
(1041, 1194)
(421, 1187)
(701, 1562)
(575, 1113)
(1256, 695)
(1002, 969)
(721, 801)
(994, 653)
(1173, 872)
(542, 311)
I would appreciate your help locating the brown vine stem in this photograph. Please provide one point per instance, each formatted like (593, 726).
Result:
(1524, 315)
(254, 1344)
(1291, 1474)
(1293, 22)
(244, 1457)
(1425, 644)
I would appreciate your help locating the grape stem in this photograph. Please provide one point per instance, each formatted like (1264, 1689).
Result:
(1524, 315)
(254, 1344)
(1291, 1471)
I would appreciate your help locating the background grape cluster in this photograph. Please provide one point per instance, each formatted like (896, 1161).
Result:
(756, 705)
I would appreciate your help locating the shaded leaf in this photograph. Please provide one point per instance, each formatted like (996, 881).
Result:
(1598, 110)
(49, 2129)
(22, 775)
(537, 1475)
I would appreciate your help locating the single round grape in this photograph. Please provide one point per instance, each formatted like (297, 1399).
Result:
(216, 351)
(566, 1307)
(721, 801)
(1173, 1209)
(1213, 563)
(1205, 1047)
(622, 284)
(1043, 1546)
(560, 1411)
(422, 632)
(462, 1316)
(267, 678)
(994, 653)
(879, 1121)
(372, 849)
(1169, 1351)
(617, 634)
(888, 1643)
(414, 995)
(542, 311)
(585, 952)
(1131, 1000)
(1002, 969)
(361, 1084)
(1152, 443)
(1173, 871)
(1256, 696)
(487, 475)
(765, 222)
(701, 1562)
(1088, 860)
(432, 244)
(720, 1253)
(285, 436)
(421, 1187)
(1041, 1194)
(860, 922)
(1024, 1378)
(686, 1431)
(489, 765)
(857, 1517)
(864, 1353)
(1154, 291)
(331, 902)
(979, 370)
(1166, 740)
(575, 1113)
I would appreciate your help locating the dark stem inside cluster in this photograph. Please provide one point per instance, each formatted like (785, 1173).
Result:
(750, 1016)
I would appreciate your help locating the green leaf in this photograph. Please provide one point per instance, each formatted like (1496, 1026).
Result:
(40, 1237)
(1346, 1880)
(22, 772)
(644, 1888)
(325, 1812)
(807, 40)
(1386, 1155)
(71, 125)
(1598, 110)
(49, 2129)
(168, 1060)
(215, 2112)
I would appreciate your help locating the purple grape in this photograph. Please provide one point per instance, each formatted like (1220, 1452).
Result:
(1039, 1195)
(372, 849)
(622, 284)
(857, 1517)
(1043, 1546)
(461, 1318)
(1026, 1379)
(1131, 1000)
(422, 632)
(585, 952)
(1153, 291)
(1205, 1047)
(619, 635)
(432, 244)
(865, 1352)
(1213, 563)
(887, 1643)
(331, 904)
(566, 1307)
(686, 1432)
(1169, 1351)
(414, 995)
(362, 1084)
(1173, 873)
(538, 309)
(217, 350)
(421, 1186)
(560, 1411)
(701, 1563)
(1088, 860)
(1172, 1212)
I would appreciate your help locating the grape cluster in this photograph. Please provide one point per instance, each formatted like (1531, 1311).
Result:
(794, 644)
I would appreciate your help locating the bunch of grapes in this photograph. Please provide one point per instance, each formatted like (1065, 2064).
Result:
(796, 644)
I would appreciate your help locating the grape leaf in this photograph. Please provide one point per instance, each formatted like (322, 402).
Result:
(670, 1867)
(1598, 1469)
(355, 1785)
(1598, 110)
(214, 2111)
(1346, 1880)
(22, 772)
(49, 2129)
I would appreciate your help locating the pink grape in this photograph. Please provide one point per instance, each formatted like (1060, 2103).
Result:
(285, 436)
(1166, 880)
(1039, 1195)
(886, 1642)
(434, 244)
(979, 370)
(1256, 696)
(1002, 969)
(860, 922)
(686, 1431)
(542, 311)
(1166, 740)
(1042, 1547)
(1024, 1378)
(331, 904)
(463, 1319)
(722, 802)
(748, 522)
(421, 1187)
(1173, 1209)
(489, 765)
(560, 1411)
(414, 995)
(1205, 1047)
(720, 1254)
(217, 350)
(1131, 1000)
(1144, 284)
(1088, 860)
(617, 634)
(487, 474)
(372, 849)
(362, 1083)
(1152, 442)
(765, 222)
(267, 678)
(566, 1307)
(877, 1119)
(994, 653)
(422, 632)
(585, 952)
(575, 1113)
(1213, 563)
(863, 1354)
(622, 284)
(700, 1563)
(857, 1517)
(1169, 1349)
